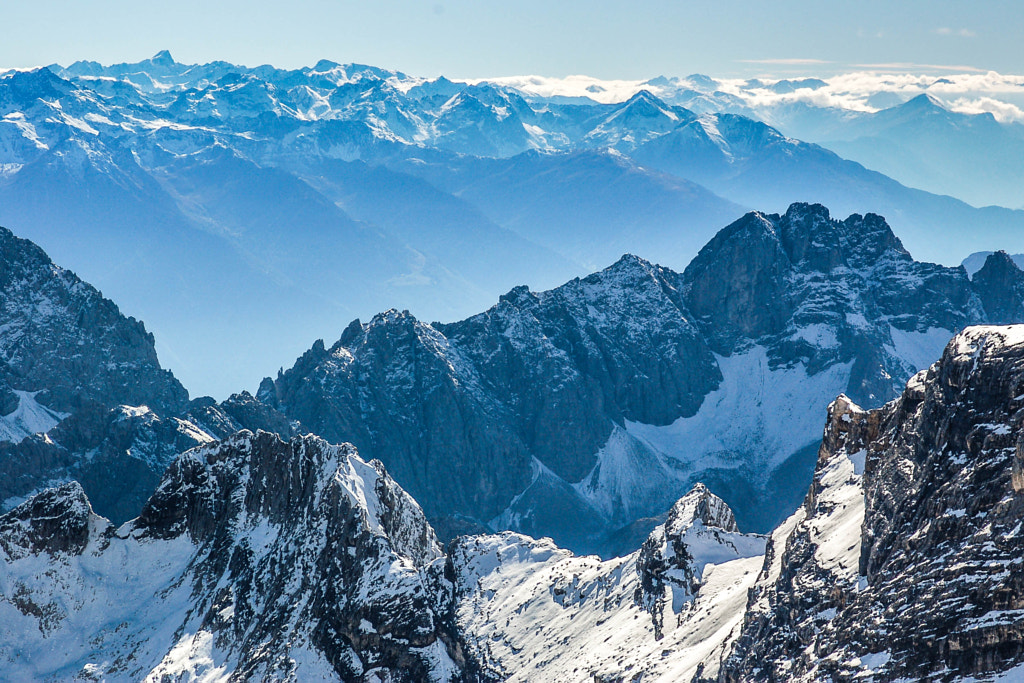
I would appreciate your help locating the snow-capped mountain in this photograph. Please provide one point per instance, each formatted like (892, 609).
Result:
(553, 409)
(259, 558)
(254, 558)
(904, 562)
(434, 196)
(528, 610)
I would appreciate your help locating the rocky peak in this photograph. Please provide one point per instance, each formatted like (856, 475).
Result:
(736, 285)
(55, 521)
(865, 239)
(277, 560)
(162, 58)
(61, 335)
(645, 104)
(699, 505)
(700, 530)
(811, 238)
(1000, 286)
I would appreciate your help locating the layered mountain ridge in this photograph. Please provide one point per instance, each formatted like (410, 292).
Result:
(548, 413)
(557, 406)
(257, 557)
(434, 196)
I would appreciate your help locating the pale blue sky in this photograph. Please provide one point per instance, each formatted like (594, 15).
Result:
(465, 38)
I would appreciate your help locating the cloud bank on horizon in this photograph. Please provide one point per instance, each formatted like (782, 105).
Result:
(870, 90)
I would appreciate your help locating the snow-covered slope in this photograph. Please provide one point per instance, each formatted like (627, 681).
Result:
(255, 558)
(529, 611)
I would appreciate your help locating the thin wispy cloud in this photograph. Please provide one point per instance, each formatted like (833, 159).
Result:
(785, 61)
(962, 32)
(913, 66)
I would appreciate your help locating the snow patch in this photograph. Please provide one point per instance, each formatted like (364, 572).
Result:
(758, 416)
(30, 417)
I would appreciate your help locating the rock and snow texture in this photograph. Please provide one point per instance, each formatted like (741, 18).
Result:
(254, 559)
(72, 366)
(555, 409)
(83, 396)
(906, 561)
(529, 611)
(257, 558)
(62, 344)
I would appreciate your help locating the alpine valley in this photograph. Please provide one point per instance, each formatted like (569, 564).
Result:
(762, 445)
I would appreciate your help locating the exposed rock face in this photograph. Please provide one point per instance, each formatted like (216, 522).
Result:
(700, 530)
(254, 559)
(906, 564)
(240, 411)
(400, 390)
(117, 454)
(71, 365)
(55, 521)
(548, 413)
(813, 289)
(63, 338)
(1000, 285)
(535, 384)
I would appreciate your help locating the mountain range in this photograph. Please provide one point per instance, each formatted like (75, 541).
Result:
(548, 413)
(282, 203)
(782, 449)
(260, 558)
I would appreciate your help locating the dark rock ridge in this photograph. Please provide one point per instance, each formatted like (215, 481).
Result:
(905, 561)
(547, 413)
(63, 339)
(525, 416)
(1000, 284)
(767, 277)
(263, 558)
(72, 366)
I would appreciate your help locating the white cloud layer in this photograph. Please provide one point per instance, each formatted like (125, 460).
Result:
(959, 88)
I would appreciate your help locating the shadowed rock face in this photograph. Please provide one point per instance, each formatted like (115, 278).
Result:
(539, 376)
(70, 357)
(507, 418)
(765, 277)
(914, 572)
(63, 338)
(1000, 286)
(55, 521)
(737, 283)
